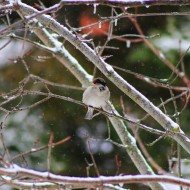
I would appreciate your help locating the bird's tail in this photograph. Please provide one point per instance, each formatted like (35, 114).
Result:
(89, 114)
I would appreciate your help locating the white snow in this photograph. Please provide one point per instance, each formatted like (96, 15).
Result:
(109, 68)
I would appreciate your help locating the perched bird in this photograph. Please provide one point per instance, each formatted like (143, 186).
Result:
(96, 95)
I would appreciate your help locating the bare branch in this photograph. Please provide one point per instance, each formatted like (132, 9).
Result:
(127, 3)
(91, 182)
(113, 76)
(34, 150)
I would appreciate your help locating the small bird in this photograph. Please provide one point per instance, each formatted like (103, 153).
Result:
(96, 95)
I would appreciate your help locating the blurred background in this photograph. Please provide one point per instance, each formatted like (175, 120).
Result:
(32, 128)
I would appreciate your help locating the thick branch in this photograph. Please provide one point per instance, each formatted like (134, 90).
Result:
(89, 181)
(113, 76)
(128, 3)
(126, 138)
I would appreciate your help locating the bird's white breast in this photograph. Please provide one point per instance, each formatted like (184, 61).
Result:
(95, 97)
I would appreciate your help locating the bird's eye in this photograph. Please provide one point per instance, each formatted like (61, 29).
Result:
(102, 88)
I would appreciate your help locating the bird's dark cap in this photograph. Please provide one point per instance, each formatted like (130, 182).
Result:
(99, 81)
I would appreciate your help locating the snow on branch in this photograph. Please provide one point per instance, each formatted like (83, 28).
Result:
(84, 78)
(128, 3)
(84, 182)
(165, 121)
(127, 139)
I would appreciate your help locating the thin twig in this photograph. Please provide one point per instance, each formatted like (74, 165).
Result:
(92, 157)
(109, 114)
(34, 150)
(49, 152)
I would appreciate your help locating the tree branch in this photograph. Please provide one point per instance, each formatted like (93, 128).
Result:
(112, 75)
(128, 3)
(89, 181)
(83, 77)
